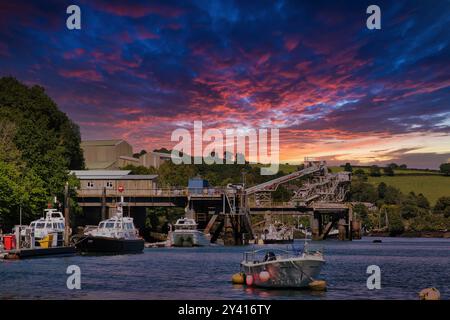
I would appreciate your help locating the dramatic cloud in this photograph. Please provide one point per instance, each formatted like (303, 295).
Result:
(138, 70)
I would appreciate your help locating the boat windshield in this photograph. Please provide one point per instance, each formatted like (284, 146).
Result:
(109, 225)
(40, 225)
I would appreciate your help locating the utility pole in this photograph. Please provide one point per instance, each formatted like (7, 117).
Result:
(66, 214)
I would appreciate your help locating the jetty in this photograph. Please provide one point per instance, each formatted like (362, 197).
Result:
(225, 212)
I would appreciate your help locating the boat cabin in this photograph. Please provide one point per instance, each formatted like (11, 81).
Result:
(53, 222)
(185, 224)
(115, 227)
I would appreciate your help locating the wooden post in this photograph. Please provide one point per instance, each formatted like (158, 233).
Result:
(104, 204)
(350, 223)
(66, 214)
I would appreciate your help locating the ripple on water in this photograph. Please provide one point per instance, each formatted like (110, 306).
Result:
(407, 265)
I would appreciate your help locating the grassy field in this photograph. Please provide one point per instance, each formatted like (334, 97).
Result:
(432, 186)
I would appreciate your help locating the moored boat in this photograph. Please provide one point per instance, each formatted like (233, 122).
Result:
(48, 230)
(277, 268)
(187, 235)
(116, 235)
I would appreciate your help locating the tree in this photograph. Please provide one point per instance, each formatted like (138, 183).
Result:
(447, 212)
(348, 167)
(393, 165)
(139, 154)
(409, 211)
(392, 195)
(395, 223)
(422, 202)
(8, 150)
(360, 174)
(361, 211)
(441, 205)
(363, 192)
(388, 171)
(403, 166)
(445, 169)
(162, 150)
(375, 171)
(140, 170)
(38, 146)
(382, 187)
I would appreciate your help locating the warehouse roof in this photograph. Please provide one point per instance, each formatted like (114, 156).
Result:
(110, 174)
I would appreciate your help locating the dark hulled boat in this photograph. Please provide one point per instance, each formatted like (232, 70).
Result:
(116, 235)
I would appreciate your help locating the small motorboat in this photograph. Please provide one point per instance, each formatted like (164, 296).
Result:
(187, 235)
(116, 235)
(277, 268)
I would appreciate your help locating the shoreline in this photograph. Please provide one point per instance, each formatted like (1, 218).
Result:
(412, 234)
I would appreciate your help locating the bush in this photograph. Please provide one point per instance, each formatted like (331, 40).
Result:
(447, 212)
(409, 211)
(395, 222)
(429, 222)
(363, 192)
(445, 169)
(361, 211)
(375, 171)
(360, 174)
(441, 204)
(388, 171)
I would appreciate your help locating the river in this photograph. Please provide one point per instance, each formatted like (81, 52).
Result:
(407, 266)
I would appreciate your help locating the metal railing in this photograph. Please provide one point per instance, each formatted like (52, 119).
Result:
(151, 192)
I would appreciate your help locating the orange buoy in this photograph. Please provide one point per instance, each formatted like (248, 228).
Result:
(318, 285)
(264, 276)
(238, 278)
(249, 280)
(430, 294)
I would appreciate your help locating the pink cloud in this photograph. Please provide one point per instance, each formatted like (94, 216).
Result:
(141, 10)
(74, 53)
(291, 42)
(89, 75)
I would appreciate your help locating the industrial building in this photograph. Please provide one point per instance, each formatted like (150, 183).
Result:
(116, 154)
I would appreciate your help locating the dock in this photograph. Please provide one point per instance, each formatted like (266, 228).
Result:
(38, 252)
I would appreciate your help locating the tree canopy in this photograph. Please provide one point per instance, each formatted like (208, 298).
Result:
(38, 146)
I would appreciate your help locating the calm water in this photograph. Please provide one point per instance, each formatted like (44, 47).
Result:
(407, 265)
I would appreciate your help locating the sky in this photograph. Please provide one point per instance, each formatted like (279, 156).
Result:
(138, 70)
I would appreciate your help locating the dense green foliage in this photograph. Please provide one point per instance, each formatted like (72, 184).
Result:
(397, 211)
(348, 167)
(445, 169)
(38, 146)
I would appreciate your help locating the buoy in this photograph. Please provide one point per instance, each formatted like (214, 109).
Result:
(264, 276)
(318, 285)
(249, 280)
(430, 294)
(238, 278)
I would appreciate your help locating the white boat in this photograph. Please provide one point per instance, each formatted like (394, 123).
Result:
(278, 233)
(52, 223)
(276, 268)
(115, 235)
(187, 235)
